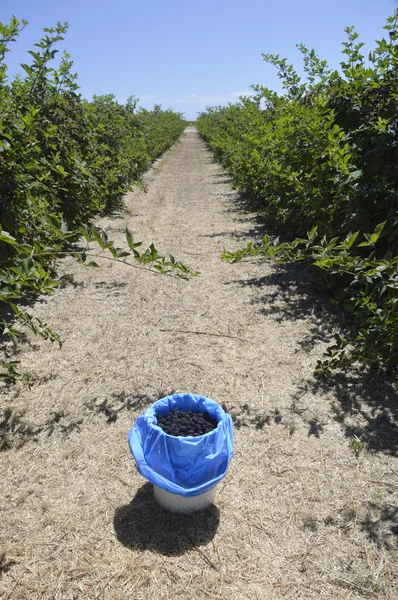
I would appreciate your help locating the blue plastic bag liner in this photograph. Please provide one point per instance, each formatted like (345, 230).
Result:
(188, 466)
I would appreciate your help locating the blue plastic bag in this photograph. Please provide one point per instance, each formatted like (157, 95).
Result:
(188, 466)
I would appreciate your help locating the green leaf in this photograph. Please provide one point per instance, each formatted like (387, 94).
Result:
(130, 240)
(7, 238)
(351, 239)
(313, 233)
(27, 68)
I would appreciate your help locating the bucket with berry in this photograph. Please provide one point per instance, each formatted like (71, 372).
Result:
(183, 444)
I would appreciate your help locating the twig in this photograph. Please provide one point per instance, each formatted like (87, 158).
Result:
(199, 253)
(246, 519)
(109, 580)
(72, 253)
(226, 482)
(234, 337)
(387, 483)
(216, 551)
(122, 480)
(207, 559)
(354, 586)
(111, 258)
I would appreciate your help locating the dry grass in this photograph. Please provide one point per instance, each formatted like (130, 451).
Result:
(308, 509)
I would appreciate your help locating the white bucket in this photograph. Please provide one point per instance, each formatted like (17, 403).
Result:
(179, 504)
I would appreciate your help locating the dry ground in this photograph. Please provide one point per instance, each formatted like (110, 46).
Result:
(309, 507)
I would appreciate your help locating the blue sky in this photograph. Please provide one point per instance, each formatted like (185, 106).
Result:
(190, 54)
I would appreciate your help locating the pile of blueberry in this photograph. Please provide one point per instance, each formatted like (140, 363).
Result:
(186, 423)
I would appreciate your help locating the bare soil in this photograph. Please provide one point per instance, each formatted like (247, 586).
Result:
(309, 507)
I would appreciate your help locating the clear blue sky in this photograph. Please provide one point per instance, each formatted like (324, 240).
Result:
(185, 54)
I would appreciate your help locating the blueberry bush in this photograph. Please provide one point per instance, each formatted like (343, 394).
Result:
(63, 160)
(320, 163)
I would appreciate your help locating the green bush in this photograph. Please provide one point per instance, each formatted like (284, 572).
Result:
(323, 157)
(62, 155)
(63, 160)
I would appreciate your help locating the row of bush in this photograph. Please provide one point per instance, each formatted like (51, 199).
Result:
(61, 154)
(63, 159)
(320, 162)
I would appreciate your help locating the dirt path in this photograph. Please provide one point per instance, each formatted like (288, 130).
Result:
(307, 510)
